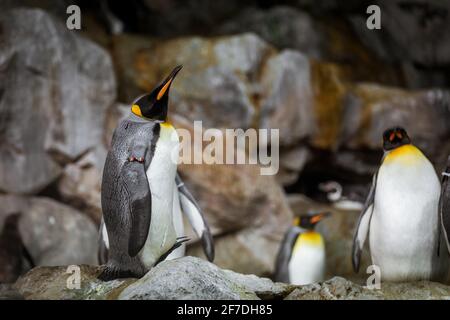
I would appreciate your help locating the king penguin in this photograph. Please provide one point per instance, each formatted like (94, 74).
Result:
(142, 193)
(301, 257)
(401, 215)
(444, 205)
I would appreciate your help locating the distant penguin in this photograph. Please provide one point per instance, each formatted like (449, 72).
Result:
(401, 215)
(139, 188)
(301, 257)
(12, 250)
(334, 195)
(444, 205)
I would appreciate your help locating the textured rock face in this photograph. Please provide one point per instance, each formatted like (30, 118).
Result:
(284, 27)
(193, 278)
(339, 288)
(54, 93)
(53, 233)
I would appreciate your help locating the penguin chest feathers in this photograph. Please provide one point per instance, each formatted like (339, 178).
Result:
(403, 229)
(161, 178)
(307, 263)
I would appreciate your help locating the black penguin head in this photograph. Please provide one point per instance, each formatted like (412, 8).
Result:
(309, 221)
(394, 138)
(154, 105)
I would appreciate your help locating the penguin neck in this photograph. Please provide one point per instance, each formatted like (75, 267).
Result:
(136, 118)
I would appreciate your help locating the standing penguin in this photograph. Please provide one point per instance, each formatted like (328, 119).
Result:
(444, 205)
(301, 258)
(401, 215)
(139, 187)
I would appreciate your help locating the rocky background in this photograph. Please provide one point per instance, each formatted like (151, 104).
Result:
(309, 68)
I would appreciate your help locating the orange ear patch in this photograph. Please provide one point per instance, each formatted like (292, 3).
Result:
(391, 136)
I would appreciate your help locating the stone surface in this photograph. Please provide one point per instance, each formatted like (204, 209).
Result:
(425, 114)
(80, 185)
(287, 100)
(281, 26)
(57, 283)
(70, 84)
(339, 288)
(214, 83)
(56, 234)
(195, 279)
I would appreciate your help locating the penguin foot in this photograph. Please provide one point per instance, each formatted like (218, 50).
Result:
(112, 273)
(179, 242)
(133, 159)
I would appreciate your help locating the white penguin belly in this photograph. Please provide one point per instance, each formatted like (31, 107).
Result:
(307, 263)
(161, 178)
(403, 229)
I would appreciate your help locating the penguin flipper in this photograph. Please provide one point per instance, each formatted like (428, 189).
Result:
(284, 255)
(135, 183)
(444, 205)
(190, 207)
(362, 227)
(103, 243)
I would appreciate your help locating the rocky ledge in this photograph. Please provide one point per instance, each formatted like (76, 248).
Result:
(194, 278)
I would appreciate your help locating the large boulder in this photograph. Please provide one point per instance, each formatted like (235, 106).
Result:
(282, 26)
(369, 109)
(53, 233)
(54, 94)
(193, 278)
(227, 82)
(339, 288)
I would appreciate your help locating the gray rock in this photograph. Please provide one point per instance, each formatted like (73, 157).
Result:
(287, 103)
(51, 283)
(56, 234)
(62, 85)
(215, 85)
(281, 26)
(80, 184)
(414, 30)
(193, 279)
(339, 288)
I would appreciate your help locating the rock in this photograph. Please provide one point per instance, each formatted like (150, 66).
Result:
(292, 162)
(56, 234)
(248, 210)
(425, 114)
(337, 230)
(80, 185)
(191, 278)
(214, 85)
(71, 82)
(409, 32)
(282, 26)
(339, 288)
(8, 293)
(287, 101)
(58, 283)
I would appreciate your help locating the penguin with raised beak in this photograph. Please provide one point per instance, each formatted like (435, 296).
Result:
(141, 190)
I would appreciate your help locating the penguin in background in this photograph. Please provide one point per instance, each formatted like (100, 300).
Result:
(444, 205)
(301, 257)
(141, 190)
(401, 215)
